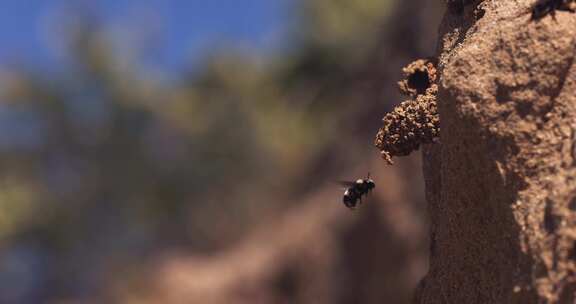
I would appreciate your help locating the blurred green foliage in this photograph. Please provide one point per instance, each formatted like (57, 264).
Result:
(123, 162)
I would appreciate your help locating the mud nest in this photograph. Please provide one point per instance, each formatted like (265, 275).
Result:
(414, 121)
(419, 76)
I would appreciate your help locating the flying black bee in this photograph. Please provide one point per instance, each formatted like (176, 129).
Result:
(544, 7)
(355, 190)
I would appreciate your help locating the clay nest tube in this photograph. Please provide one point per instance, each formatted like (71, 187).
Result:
(414, 121)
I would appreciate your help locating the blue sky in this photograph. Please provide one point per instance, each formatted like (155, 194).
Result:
(186, 27)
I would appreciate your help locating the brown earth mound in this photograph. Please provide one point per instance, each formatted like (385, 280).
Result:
(501, 184)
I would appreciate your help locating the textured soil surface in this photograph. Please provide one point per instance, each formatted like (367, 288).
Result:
(501, 184)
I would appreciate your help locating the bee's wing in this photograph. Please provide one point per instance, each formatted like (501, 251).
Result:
(346, 183)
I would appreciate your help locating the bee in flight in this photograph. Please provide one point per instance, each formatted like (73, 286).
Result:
(355, 190)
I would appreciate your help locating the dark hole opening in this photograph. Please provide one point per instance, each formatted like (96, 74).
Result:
(420, 81)
(550, 220)
(572, 204)
(479, 13)
(572, 252)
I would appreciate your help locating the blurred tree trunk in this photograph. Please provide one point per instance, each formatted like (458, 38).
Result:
(501, 184)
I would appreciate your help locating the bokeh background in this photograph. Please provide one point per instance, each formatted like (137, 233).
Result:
(187, 151)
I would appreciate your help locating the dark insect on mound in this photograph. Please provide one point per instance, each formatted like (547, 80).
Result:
(544, 7)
